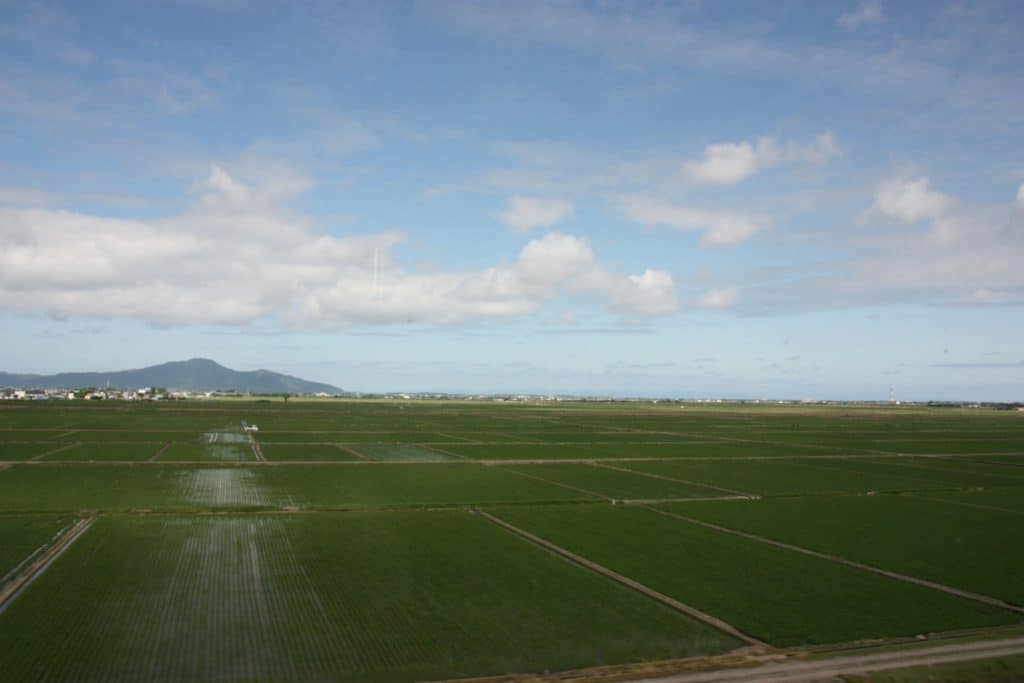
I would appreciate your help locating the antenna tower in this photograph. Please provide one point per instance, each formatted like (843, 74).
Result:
(376, 269)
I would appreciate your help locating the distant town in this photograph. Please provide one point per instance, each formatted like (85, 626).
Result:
(165, 394)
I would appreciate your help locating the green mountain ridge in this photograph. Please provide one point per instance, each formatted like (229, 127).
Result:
(196, 374)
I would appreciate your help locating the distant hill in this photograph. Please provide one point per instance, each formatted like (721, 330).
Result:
(198, 374)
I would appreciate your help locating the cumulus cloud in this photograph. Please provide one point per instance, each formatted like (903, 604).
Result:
(721, 228)
(239, 254)
(653, 292)
(910, 200)
(867, 12)
(526, 213)
(731, 162)
(965, 254)
(719, 298)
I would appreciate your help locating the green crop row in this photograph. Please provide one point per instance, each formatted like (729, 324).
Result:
(776, 595)
(352, 597)
(974, 548)
(26, 488)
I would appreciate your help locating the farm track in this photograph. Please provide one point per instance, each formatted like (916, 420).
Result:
(733, 493)
(977, 506)
(256, 450)
(569, 487)
(602, 462)
(432, 447)
(928, 468)
(12, 588)
(977, 597)
(660, 501)
(350, 451)
(672, 603)
(830, 669)
(159, 452)
(51, 452)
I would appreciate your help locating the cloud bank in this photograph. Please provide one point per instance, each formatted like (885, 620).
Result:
(239, 254)
(720, 228)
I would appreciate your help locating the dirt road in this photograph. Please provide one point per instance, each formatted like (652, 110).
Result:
(11, 589)
(977, 597)
(672, 603)
(829, 669)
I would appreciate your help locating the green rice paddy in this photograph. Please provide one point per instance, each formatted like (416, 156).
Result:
(351, 550)
(326, 597)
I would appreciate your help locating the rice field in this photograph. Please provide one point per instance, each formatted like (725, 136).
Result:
(920, 536)
(205, 452)
(21, 536)
(342, 542)
(775, 595)
(307, 452)
(613, 483)
(105, 451)
(17, 450)
(286, 598)
(402, 453)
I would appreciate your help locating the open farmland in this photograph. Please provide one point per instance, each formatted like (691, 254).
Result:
(776, 596)
(99, 451)
(350, 540)
(349, 597)
(22, 535)
(613, 483)
(924, 537)
(308, 452)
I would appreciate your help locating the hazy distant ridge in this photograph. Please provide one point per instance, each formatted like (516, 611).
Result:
(197, 374)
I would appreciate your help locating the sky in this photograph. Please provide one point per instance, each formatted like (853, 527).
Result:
(736, 199)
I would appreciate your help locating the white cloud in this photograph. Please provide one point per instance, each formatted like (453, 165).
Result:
(239, 254)
(867, 12)
(910, 200)
(969, 254)
(728, 163)
(553, 258)
(653, 292)
(721, 228)
(526, 213)
(719, 298)
(1020, 197)
(731, 162)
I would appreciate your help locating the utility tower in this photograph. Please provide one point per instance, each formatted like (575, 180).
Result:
(892, 395)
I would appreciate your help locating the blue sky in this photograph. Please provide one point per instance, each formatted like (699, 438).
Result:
(799, 199)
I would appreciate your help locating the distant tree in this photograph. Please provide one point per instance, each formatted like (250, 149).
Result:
(286, 396)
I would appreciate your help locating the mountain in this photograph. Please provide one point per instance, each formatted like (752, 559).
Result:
(198, 374)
